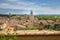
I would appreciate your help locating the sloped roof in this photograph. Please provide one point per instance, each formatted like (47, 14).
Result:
(44, 22)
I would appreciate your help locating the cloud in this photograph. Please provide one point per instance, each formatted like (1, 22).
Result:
(10, 6)
(11, 0)
(30, 6)
(4, 4)
(25, 3)
(43, 4)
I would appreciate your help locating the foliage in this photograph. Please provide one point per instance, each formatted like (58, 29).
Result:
(9, 36)
(19, 18)
(48, 17)
(31, 28)
(48, 27)
(0, 28)
(27, 17)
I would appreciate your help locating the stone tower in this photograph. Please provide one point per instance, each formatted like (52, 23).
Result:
(31, 16)
(8, 22)
(31, 19)
(9, 16)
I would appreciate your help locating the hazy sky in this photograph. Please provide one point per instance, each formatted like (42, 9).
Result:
(25, 6)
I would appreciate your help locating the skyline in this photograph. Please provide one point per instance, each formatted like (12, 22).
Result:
(39, 7)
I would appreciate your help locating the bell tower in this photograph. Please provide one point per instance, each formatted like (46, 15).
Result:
(31, 19)
(31, 16)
